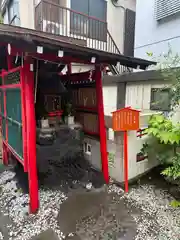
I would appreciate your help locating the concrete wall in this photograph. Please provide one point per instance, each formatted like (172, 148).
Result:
(116, 20)
(110, 99)
(137, 95)
(154, 36)
(116, 169)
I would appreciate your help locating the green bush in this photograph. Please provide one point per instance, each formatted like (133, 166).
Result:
(163, 143)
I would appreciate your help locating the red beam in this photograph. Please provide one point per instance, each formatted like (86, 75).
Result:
(49, 56)
(55, 58)
(102, 129)
(13, 70)
(13, 153)
(18, 85)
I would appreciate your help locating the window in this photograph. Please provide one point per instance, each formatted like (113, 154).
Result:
(11, 15)
(82, 25)
(87, 148)
(140, 157)
(37, 2)
(166, 8)
(13, 12)
(160, 99)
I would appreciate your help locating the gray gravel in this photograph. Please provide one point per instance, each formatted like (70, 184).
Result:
(155, 218)
(158, 221)
(15, 204)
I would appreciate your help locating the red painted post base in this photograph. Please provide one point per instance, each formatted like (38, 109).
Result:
(126, 161)
(5, 154)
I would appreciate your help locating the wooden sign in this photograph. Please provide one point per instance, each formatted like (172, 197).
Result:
(125, 119)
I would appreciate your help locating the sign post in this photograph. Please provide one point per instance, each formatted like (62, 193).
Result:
(125, 119)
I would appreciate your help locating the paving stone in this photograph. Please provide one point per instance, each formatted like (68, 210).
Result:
(46, 235)
(4, 221)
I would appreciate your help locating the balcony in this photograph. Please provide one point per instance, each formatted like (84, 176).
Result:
(78, 27)
(53, 18)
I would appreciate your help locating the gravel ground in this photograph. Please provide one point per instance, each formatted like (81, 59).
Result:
(148, 205)
(158, 221)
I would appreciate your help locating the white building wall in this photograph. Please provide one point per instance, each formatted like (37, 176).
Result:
(26, 11)
(154, 36)
(110, 99)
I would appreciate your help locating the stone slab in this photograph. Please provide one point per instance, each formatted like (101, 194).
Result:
(46, 235)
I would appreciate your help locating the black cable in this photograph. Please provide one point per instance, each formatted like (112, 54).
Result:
(114, 4)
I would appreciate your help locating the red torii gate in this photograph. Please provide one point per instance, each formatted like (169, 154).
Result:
(25, 43)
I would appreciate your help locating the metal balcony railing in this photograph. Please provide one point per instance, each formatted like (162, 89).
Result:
(53, 18)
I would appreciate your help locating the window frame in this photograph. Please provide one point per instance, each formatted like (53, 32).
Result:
(155, 106)
(86, 25)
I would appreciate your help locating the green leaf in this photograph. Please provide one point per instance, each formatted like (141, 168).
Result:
(175, 204)
(150, 54)
(165, 137)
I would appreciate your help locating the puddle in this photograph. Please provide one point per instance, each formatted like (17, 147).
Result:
(97, 215)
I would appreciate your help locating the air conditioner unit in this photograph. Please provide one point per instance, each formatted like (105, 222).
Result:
(54, 28)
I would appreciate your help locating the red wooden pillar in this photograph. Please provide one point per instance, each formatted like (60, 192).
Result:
(69, 68)
(102, 129)
(10, 62)
(126, 161)
(31, 138)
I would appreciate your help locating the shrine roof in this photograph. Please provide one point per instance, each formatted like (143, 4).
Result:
(28, 40)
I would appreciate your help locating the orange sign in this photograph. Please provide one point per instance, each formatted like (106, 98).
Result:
(126, 119)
